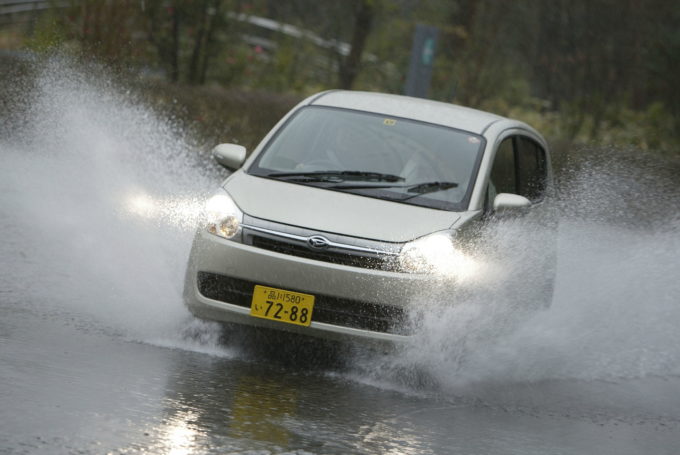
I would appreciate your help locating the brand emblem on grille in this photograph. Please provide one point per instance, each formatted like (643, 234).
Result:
(318, 242)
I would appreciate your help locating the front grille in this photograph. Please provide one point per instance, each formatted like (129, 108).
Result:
(327, 309)
(344, 258)
(341, 249)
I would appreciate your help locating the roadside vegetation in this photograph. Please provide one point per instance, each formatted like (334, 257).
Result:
(596, 73)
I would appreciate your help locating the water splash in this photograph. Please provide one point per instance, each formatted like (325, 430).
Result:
(99, 197)
(616, 305)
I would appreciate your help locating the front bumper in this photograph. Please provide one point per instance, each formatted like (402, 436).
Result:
(234, 268)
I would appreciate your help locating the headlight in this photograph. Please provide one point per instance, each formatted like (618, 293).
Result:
(437, 254)
(223, 217)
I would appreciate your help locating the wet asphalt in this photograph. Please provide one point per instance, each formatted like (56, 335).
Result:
(69, 385)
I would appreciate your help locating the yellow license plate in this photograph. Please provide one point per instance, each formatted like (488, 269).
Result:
(281, 305)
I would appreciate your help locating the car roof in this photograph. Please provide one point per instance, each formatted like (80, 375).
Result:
(436, 112)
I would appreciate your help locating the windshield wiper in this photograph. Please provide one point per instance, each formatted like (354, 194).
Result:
(419, 188)
(431, 187)
(365, 179)
(337, 176)
(428, 187)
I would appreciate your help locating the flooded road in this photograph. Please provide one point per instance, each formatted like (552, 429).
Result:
(99, 197)
(69, 387)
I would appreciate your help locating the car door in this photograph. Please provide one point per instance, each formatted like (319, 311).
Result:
(521, 166)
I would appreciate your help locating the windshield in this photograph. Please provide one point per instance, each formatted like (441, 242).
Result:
(375, 156)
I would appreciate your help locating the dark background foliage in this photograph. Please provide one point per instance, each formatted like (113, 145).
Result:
(582, 71)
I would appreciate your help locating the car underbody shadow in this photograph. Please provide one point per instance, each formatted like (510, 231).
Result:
(286, 349)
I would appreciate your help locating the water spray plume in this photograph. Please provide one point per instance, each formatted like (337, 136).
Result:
(105, 195)
(99, 197)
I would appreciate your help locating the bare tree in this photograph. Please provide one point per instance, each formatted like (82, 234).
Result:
(364, 12)
(209, 14)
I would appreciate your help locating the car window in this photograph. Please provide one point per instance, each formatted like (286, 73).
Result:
(519, 168)
(503, 173)
(532, 169)
(322, 139)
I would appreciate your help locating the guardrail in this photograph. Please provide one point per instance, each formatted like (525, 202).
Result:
(22, 6)
(18, 11)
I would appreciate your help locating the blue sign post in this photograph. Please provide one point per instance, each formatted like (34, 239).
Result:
(422, 59)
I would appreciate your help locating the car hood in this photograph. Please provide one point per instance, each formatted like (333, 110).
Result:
(334, 211)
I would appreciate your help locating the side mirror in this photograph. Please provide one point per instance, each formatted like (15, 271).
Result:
(230, 156)
(507, 201)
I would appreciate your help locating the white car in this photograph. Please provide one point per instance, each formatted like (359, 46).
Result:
(349, 208)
